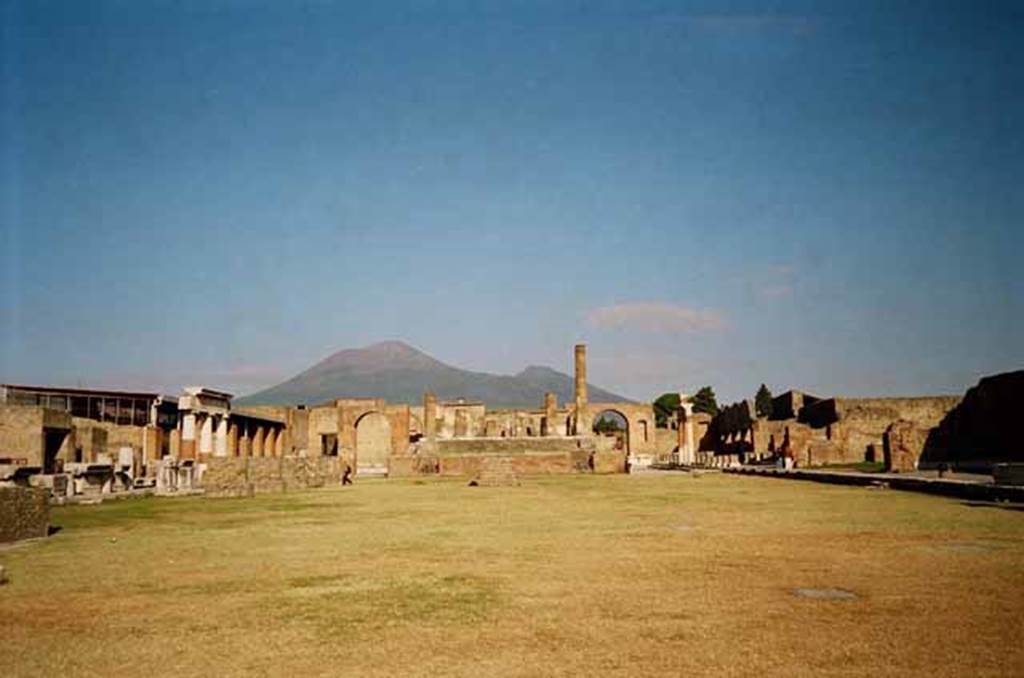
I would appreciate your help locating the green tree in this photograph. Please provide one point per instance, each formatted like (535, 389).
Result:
(704, 401)
(763, 402)
(607, 424)
(665, 409)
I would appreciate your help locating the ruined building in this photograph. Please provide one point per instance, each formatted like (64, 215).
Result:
(972, 432)
(79, 441)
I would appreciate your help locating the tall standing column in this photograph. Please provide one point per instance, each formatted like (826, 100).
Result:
(270, 442)
(257, 441)
(220, 447)
(187, 440)
(429, 416)
(583, 424)
(206, 436)
(233, 440)
(551, 415)
(687, 453)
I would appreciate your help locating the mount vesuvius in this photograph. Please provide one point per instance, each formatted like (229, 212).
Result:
(400, 373)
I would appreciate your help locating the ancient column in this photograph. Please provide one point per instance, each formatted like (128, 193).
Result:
(583, 424)
(270, 442)
(233, 440)
(550, 415)
(151, 442)
(429, 416)
(220, 447)
(245, 441)
(187, 439)
(257, 442)
(206, 436)
(687, 454)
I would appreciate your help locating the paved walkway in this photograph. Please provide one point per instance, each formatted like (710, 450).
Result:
(965, 486)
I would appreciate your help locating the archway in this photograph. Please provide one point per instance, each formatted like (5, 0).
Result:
(613, 424)
(373, 443)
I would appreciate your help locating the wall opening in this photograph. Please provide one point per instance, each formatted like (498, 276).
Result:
(613, 424)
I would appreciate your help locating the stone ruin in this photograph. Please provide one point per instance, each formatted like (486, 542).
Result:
(495, 472)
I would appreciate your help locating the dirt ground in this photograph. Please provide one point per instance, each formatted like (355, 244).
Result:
(665, 575)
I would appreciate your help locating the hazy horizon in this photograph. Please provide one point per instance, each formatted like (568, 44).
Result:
(821, 196)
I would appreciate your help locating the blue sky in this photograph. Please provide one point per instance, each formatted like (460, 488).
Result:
(816, 195)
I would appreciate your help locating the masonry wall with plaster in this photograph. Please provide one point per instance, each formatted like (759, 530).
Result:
(815, 431)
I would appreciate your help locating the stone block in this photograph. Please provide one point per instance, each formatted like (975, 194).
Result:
(902, 445)
(24, 513)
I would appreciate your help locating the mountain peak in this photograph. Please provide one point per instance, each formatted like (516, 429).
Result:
(535, 371)
(400, 373)
(384, 355)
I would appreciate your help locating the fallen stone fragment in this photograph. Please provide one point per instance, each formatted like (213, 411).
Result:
(825, 594)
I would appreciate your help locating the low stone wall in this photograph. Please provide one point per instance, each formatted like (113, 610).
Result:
(245, 476)
(960, 489)
(522, 464)
(24, 513)
(1008, 474)
(511, 446)
(527, 456)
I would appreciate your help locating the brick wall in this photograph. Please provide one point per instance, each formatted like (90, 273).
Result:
(244, 476)
(21, 434)
(527, 456)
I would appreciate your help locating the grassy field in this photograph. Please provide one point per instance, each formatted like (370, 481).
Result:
(565, 576)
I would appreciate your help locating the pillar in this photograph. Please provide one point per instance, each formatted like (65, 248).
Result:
(233, 440)
(684, 431)
(175, 446)
(583, 423)
(398, 418)
(550, 424)
(206, 436)
(270, 442)
(187, 441)
(151, 442)
(220, 447)
(257, 442)
(429, 416)
(245, 441)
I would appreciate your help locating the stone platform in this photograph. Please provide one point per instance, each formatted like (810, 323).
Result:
(974, 490)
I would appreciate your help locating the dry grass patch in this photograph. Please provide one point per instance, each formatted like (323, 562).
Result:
(658, 575)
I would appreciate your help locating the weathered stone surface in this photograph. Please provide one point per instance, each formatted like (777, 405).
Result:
(495, 472)
(24, 513)
(244, 476)
(903, 443)
(825, 594)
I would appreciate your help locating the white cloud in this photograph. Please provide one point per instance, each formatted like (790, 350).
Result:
(656, 316)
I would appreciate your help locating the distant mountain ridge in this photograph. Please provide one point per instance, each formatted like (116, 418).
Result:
(399, 373)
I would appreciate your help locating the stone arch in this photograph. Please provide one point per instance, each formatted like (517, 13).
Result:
(373, 442)
(620, 418)
(352, 411)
